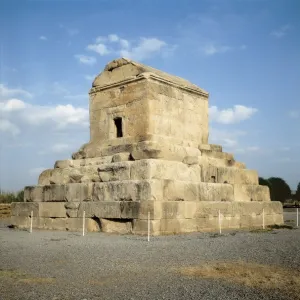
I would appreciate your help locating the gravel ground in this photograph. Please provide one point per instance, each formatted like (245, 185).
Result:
(64, 265)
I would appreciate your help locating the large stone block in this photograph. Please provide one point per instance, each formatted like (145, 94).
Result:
(56, 223)
(22, 222)
(141, 227)
(174, 190)
(115, 226)
(131, 190)
(273, 207)
(33, 194)
(54, 192)
(24, 209)
(217, 154)
(215, 192)
(76, 192)
(237, 176)
(247, 208)
(114, 171)
(162, 150)
(107, 209)
(125, 156)
(52, 210)
(248, 192)
(63, 163)
(211, 209)
(45, 176)
(166, 210)
(162, 169)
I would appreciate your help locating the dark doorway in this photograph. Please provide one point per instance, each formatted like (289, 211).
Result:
(118, 124)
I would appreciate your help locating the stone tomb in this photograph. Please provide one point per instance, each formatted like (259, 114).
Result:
(148, 152)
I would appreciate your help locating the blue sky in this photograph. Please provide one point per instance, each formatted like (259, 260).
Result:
(245, 53)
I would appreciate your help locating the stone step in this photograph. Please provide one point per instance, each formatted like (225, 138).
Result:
(77, 163)
(210, 147)
(125, 170)
(165, 217)
(213, 161)
(231, 175)
(217, 154)
(145, 190)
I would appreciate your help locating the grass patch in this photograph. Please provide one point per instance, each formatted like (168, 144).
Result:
(57, 240)
(19, 277)
(251, 275)
(260, 230)
(10, 273)
(4, 211)
(37, 280)
(282, 226)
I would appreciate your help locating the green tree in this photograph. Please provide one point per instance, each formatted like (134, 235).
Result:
(297, 195)
(263, 181)
(279, 189)
(20, 196)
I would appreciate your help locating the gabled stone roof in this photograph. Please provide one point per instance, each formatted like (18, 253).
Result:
(124, 69)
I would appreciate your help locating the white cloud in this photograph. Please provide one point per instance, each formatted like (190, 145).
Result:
(281, 32)
(59, 148)
(87, 60)
(231, 115)
(43, 38)
(101, 39)
(59, 89)
(294, 114)
(99, 48)
(285, 149)
(226, 138)
(12, 105)
(90, 77)
(15, 111)
(61, 115)
(113, 38)
(70, 31)
(250, 149)
(76, 97)
(145, 49)
(6, 92)
(124, 44)
(141, 50)
(211, 49)
(285, 160)
(211, 34)
(7, 126)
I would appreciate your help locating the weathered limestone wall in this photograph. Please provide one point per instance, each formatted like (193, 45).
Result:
(128, 102)
(178, 114)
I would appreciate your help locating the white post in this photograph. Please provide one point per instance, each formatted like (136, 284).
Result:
(297, 217)
(31, 221)
(263, 215)
(148, 226)
(83, 223)
(220, 227)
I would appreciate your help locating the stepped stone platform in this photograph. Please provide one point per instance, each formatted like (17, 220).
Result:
(148, 153)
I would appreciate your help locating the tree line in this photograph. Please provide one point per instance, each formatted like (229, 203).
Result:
(279, 189)
(8, 197)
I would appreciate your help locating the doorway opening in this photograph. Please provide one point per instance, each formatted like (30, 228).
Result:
(119, 129)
